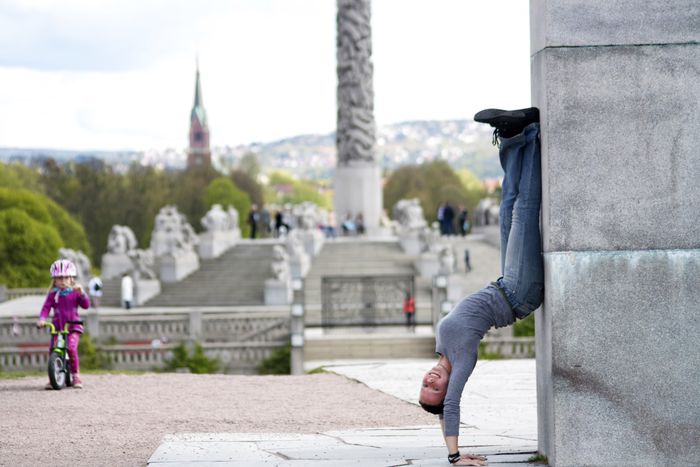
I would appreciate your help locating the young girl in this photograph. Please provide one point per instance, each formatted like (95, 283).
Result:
(65, 295)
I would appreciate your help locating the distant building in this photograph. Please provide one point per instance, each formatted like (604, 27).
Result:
(199, 152)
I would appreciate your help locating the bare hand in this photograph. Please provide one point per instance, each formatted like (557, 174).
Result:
(41, 323)
(78, 288)
(469, 459)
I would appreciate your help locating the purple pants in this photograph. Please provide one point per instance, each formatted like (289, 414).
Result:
(72, 346)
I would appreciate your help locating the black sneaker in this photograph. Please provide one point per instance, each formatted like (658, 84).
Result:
(506, 119)
(507, 123)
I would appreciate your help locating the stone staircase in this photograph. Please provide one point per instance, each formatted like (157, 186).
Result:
(236, 278)
(111, 292)
(362, 257)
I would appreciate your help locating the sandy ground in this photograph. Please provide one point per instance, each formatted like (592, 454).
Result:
(120, 419)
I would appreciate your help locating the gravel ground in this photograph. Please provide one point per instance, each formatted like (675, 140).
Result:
(119, 420)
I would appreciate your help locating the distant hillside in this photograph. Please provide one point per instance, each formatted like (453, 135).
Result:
(463, 143)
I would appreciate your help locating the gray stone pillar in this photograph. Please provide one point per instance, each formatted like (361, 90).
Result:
(357, 183)
(618, 367)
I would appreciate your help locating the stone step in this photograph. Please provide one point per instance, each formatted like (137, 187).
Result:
(374, 345)
(235, 278)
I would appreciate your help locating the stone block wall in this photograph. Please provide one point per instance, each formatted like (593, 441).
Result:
(618, 87)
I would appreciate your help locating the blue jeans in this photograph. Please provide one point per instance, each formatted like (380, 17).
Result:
(522, 266)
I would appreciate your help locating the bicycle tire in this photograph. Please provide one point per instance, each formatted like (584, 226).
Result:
(57, 372)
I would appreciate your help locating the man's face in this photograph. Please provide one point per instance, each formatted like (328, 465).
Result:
(434, 386)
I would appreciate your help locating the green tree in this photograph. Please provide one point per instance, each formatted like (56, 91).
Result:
(431, 183)
(248, 184)
(27, 248)
(188, 192)
(222, 191)
(45, 211)
(474, 186)
(250, 165)
(296, 191)
(15, 175)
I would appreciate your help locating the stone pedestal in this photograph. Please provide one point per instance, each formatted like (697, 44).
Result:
(214, 243)
(358, 189)
(114, 265)
(618, 374)
(428, 264)
(174, 268)
(277, 292)
(145, 289)
(410, 242)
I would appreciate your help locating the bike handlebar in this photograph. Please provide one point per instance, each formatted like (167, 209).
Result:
(65, 326)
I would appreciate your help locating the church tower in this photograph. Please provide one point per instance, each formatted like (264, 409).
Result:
(198, 152)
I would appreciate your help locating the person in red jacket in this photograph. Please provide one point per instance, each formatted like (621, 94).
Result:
(64, 297)
(409, 310)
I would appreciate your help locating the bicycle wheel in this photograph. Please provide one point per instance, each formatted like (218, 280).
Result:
(57, 371)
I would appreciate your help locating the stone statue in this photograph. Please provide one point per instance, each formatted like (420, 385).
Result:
(446, 258)
(355, 135)
(280, 264)
(81, 261)
(232, 218)
(409, 214)
(307, 215)
(216, 219)
(121, 240)
(143, 262)
(172, 233)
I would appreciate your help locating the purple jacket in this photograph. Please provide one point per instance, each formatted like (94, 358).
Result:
(65, 308)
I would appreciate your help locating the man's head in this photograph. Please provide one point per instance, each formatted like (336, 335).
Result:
(433, 389)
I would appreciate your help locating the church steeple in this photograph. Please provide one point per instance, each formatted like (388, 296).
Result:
(199, 152)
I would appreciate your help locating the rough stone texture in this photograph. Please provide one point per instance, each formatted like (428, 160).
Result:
(625, 367)
(355, 135)
(618, 90)
(621, 134)
(556, 23)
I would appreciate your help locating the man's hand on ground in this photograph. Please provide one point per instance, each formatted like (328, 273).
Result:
(471, 459)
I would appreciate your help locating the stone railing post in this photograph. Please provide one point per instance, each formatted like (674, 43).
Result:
(195, 326)
(93, 325)
(297, 327)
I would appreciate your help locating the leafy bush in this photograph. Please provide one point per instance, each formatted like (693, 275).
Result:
(525, 327)
(484, 355)
(27, 248)
(278, 363)
(92, 357)
(196, 361)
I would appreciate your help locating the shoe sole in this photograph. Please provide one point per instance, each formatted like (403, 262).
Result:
(492, 116)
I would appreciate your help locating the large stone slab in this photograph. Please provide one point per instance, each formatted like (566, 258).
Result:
(622, 22)
(620, 138)
(624, 379)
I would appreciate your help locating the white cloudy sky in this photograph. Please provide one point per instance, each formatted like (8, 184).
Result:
(119, 74)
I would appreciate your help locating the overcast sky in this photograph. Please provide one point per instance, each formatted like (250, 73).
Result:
(119, 74)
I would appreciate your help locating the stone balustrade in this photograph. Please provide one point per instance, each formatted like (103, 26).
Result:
(510, 347)
(235, 357)
(203, 326)
(239, 339)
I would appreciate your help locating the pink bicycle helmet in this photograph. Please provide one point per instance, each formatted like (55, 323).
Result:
(63, 268)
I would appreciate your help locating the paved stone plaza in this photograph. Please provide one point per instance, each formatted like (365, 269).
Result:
(498, 420)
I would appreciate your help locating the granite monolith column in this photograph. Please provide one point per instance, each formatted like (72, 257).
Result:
(357, 182)
(618, 87)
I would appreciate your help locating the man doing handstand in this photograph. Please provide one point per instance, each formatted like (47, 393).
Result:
(516, 294)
